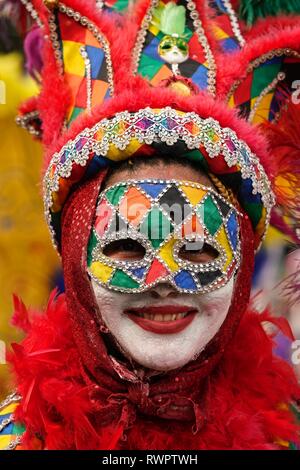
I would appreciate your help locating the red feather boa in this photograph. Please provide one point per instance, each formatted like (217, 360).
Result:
(241, 400)
(76, 397)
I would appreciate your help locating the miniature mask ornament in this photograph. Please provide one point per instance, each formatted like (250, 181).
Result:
(173, 47)
(152, 231)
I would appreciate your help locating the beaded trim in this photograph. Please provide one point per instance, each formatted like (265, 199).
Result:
(280, 77)
(85, 22)
(15, 443)
(12, 398)
(124, 127)
(6, 422)
(261, 60)
(25, 122)
(76, 16)
(32, 11)
(55, 42)
(234, 22)
(218, 272)
(87, 64)
(141, 37)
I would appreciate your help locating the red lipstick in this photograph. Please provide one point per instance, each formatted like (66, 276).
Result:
(150, 318)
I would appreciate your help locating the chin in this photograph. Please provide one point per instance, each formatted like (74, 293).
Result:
(166, 352)
(163, 362)
(163, 352)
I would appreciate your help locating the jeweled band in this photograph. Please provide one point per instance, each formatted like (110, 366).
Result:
(216, 149)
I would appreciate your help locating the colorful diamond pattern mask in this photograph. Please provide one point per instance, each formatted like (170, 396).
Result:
(152, 231)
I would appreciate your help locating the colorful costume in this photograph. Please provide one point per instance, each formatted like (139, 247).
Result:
(159, 79)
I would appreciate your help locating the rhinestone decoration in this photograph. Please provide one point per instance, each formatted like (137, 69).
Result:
(87, 64)
(201, 35)
(9, 429)
(164, 216)
(30, 122)
(12, 398)
(32, 12)
(261, 60)
(234, 22)
(280, 77)
(124, 135)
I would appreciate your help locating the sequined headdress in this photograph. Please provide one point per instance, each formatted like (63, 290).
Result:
(191, 76)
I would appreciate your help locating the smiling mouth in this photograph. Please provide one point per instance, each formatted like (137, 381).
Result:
(167, 319)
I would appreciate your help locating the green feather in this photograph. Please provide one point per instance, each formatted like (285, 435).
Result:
(252, 10)
(171, 19)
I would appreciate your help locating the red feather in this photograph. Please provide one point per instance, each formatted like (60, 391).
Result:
(242, 409)
(284, 138)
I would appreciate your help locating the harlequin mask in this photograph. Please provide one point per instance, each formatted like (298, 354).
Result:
(169, 221)
(173, 50)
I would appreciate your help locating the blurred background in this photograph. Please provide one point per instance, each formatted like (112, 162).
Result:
(29, 266)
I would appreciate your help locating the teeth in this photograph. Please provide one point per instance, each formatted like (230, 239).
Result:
(169, 317)
(163, 318)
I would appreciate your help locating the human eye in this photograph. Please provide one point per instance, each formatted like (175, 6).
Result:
(197, 252)
(125, 249)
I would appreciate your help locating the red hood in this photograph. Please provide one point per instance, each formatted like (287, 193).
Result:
(76, 396)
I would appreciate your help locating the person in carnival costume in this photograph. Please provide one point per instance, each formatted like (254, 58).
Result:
(158, 191)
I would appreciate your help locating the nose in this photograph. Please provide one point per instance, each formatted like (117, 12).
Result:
(163, 290)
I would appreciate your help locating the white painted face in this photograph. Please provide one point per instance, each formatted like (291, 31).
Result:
(163, 352)
(162, 329)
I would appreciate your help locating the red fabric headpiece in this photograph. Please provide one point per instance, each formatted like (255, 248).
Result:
(117, 379)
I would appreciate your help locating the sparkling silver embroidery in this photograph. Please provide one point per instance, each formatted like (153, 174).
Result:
(32, 11)
(142, 34)
(175, 236)
(76, 16)
(261, 60)
(88, 70)
(234, 22)
(12, 398)
(280, 77)
(6, 422)
(237, 152)
(25, 121)
(15, 443)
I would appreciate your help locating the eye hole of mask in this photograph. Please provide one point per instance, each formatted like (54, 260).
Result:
(197, 252)
(182, 46)
(166, 46)
(125, 249)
